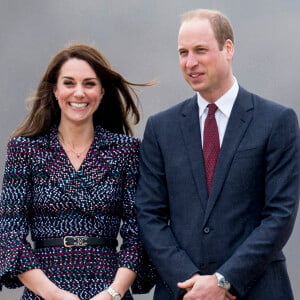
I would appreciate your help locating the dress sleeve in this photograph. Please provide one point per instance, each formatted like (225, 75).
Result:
(16, 254)
(132, 254)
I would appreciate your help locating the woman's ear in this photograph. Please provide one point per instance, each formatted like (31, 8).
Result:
(54, 92)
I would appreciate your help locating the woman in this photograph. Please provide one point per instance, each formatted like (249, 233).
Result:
(70, 180)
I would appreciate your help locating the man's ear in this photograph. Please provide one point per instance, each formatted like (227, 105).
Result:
(229, 48)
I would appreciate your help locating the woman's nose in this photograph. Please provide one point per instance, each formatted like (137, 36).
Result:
(79, 92)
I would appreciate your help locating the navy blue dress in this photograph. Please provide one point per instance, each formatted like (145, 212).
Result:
(45, 196)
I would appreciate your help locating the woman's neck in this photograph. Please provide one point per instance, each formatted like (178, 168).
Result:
(76, 136)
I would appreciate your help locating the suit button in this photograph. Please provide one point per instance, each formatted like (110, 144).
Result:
(206, 230)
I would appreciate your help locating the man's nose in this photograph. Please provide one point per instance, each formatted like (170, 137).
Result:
(191, 61)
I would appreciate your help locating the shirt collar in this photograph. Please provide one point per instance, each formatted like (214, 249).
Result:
(224, 103)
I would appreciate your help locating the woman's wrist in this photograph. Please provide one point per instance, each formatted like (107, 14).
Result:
(118, 289)
(50, 292)
(123, 280)
(36, 281)
(114, 291)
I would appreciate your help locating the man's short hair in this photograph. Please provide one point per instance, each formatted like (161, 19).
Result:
(220, 24)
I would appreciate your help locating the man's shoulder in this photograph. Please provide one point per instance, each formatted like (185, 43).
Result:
(176, 109)
(260, 102)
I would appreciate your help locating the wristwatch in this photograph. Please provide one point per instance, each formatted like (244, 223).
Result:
(222, 282)
(115, 295)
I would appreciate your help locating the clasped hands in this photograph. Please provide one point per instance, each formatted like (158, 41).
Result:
(64, 295)
(204, 287)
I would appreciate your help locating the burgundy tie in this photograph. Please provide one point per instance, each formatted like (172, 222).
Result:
(211, 144)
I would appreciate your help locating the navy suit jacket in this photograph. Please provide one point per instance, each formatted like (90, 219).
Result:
(238, 230)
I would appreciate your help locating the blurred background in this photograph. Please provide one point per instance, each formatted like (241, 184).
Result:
(140, 40)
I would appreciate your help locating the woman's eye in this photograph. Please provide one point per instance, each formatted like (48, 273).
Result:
(68, 82)
(91, 83)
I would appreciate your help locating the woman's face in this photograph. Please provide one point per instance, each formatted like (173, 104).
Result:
(78, 91)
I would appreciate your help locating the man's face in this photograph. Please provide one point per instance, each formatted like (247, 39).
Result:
(205, 67)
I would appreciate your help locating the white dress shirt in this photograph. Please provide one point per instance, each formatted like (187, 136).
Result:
(225, 104)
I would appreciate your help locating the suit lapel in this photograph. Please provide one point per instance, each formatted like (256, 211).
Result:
(190, 127)
(240, 118)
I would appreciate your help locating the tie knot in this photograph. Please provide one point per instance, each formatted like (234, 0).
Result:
(212, 108)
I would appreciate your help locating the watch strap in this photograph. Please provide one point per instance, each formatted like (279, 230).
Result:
(113, 293)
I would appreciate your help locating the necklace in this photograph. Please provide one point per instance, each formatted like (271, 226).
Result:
(69, 148)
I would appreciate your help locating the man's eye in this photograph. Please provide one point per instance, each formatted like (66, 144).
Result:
(182, 53)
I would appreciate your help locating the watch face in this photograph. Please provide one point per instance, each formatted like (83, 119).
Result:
(117, 297)
(222, 282)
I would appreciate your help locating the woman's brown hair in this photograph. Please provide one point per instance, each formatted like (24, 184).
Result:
(118, 105)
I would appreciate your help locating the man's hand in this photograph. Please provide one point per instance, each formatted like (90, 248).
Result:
(200, 287)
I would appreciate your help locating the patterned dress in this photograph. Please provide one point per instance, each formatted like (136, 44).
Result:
(45, 196)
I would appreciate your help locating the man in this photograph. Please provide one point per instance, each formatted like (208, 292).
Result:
(218, 192)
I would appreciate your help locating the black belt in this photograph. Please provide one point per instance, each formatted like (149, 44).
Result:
(76, 241)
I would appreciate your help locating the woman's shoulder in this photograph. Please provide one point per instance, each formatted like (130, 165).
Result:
(112, 138)
(27, 141)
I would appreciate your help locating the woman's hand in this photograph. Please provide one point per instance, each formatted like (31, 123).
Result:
(102, 296)
(121, 283)
(61, 295)
(37, 281)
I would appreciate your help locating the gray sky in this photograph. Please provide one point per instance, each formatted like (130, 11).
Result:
(140, 40)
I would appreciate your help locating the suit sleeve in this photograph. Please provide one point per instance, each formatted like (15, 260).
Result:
(171, 261)
(131, 254)
(281, 194)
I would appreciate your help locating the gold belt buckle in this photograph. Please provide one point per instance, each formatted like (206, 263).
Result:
(77, 241)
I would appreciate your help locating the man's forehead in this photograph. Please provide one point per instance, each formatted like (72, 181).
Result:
(197, 32)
